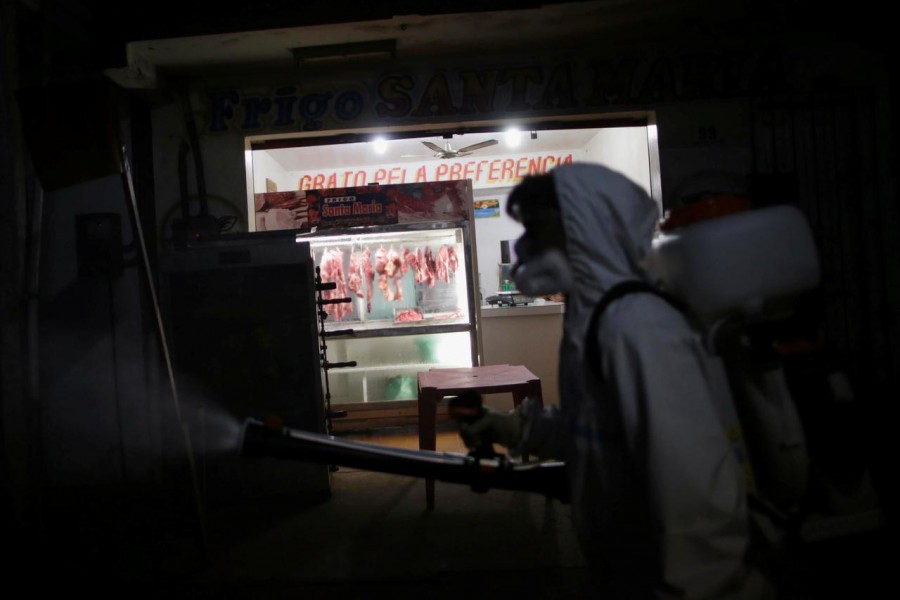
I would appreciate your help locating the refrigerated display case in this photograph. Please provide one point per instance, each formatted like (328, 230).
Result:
(411, 306)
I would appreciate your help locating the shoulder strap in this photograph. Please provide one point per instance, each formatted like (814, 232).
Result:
(615, 292)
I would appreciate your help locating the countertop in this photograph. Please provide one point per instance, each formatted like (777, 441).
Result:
(538, 307)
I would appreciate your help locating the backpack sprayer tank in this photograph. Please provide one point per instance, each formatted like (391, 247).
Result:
(736, 269)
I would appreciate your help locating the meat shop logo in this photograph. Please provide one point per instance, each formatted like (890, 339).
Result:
(351, 209)
(348, 206)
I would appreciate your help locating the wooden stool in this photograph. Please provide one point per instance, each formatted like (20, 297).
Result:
(436, 384)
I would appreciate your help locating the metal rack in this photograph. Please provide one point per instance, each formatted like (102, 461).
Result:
(323, 346)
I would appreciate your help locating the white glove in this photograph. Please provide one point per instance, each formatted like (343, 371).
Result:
(490, 428)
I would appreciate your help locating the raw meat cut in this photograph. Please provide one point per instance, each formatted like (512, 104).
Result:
(430, 267)
(331, 269)
(369, 276)
(408, 315)
(442, 264)
(381, 265)
(419, 267)
(389, 267)
(394, 270)
(453, 258)
(355, 275)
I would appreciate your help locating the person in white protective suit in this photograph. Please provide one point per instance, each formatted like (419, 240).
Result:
(657, 492)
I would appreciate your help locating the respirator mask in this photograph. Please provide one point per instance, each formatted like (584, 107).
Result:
(542, 267)
(541, 271)
(544, 274)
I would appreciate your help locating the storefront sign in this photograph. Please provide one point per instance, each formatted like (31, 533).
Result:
(488, 172)
(634, 79)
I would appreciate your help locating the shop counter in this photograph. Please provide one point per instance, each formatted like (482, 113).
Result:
(526, 335)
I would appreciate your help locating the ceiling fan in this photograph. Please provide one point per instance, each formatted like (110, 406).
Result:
(449, 152)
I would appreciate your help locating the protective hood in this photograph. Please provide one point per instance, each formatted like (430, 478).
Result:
(609, 223)
(657, 492)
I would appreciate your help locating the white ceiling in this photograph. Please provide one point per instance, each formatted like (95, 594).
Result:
(412, 150)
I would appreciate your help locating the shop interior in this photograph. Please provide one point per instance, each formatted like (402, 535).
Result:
(494, 156)
(493, 318)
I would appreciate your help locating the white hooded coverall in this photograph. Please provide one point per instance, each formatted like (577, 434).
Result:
(658, 495)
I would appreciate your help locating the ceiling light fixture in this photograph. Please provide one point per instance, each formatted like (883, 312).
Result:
(513, 137)
(380, 145)
(373, 49)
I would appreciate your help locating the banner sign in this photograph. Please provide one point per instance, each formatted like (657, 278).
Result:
(353, 207)
(363, 206)
(497, 171)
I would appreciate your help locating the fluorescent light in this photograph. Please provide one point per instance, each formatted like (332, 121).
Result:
(380, 145)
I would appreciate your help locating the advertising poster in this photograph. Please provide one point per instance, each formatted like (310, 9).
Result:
(364, 205)
(485, 209)
(281, 210)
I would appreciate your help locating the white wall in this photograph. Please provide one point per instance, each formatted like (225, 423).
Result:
(265, 167)
(490, 232)
(624, 149)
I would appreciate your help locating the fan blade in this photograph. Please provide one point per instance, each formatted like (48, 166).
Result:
(434, 147)
(478, 146)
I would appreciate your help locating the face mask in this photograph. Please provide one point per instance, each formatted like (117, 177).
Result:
(544, 273)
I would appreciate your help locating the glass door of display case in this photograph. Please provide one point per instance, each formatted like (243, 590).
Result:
(411, 307)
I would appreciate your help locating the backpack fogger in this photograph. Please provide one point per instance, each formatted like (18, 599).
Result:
(741, 274)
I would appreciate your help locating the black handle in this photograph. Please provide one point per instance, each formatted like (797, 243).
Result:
(337, 332)
(338, 365)
(335, 301)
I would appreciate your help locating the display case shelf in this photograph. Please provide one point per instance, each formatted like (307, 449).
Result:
(381, 331)
(371, 330)
(394, 368)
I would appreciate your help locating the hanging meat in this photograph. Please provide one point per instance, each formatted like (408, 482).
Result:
(381, 262)
(389, 268)
(331, 269)
(369, 276)
(415, 260)
(355, 275)
(394, 270)
(405, 255)
(453, 259)
(442, 264)
(430, 266)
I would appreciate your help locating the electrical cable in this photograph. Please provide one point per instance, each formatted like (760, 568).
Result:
(194, 137)
(115, 373)
(165, 348)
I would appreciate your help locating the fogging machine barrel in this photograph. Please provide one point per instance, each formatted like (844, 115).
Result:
(481, 474)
